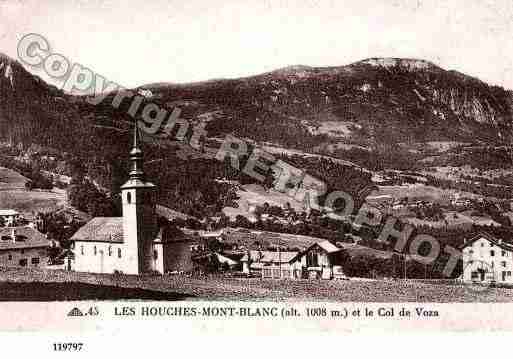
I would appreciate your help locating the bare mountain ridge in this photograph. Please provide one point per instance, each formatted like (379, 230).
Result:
(377, 100)
(394, 100)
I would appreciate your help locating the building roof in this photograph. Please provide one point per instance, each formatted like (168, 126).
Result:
(211, 234)
(269, 257)
(223, 259)
(327, 246)
(8, 212)
(26, 237)
(101, 229)
(498, 242)
(110, 229)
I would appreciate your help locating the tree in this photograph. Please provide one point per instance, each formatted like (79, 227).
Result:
(85, 196)
(241, 221)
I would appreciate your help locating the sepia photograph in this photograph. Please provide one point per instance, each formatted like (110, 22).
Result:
(260, 154)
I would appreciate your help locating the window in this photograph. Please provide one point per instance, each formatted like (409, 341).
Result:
(471, 251)
(155, 254)
(94, 250)
(492, 253)
(482, 244)
(503, 263)
(35, 261)
(23, 262)
(82, 250)
(503, 253)
(276, 273)
(10, 257)
(129, 197)
(474, 275)
(110, 251)
(119, 252)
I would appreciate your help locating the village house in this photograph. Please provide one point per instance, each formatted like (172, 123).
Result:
(487, 259)
(135, 243)
(322, 260)
(277, 265)
(9, 217)
(23, 247)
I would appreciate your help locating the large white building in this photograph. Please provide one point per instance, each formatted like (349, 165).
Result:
(487, 259)
(133, 243)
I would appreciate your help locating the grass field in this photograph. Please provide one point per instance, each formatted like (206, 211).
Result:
(13, 195)
(421, 192)
(252, 194)
(37, 284)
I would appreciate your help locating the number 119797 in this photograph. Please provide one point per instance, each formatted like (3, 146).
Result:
(67, 347)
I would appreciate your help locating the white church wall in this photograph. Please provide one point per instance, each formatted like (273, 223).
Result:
(99, 257)
(130, 231)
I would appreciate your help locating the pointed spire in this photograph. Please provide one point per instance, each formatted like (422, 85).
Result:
(136, 157)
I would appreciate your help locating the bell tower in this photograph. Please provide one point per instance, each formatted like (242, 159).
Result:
(139, 214)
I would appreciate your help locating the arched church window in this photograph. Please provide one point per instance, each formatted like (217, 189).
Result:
(110, 251)
(155, 254)
(94, 250)
(119, 252)
(129, 197)
(82, 250)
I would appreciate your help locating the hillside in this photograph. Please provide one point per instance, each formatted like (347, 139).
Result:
(336, 122)
(368, 102)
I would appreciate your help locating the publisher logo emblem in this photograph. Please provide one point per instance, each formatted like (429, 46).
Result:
(75, 312)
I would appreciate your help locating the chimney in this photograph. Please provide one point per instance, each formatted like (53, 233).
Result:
(13, 235)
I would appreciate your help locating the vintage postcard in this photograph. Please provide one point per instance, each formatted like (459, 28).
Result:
(262, 166)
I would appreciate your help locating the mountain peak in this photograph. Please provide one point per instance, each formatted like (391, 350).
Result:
(295, 70)
(388, 62)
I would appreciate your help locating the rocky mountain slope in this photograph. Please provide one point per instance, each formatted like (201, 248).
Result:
(373, 105)
(382, 100)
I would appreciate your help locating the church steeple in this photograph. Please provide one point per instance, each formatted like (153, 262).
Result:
(136, 157)
(139, 213)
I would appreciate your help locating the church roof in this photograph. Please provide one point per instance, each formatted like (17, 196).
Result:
(137, 183)
(101, 229)
(110, 229)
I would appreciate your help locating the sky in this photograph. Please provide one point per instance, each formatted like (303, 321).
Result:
(140, 42)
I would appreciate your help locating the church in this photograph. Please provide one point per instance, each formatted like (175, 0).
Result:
(133, 243)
